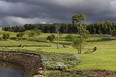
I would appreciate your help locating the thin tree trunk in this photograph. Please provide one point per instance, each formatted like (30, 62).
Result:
(57, 39)
(81, 43)
(81, 39)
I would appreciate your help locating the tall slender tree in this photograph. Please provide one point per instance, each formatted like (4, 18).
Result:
(76, 19)
(57, 30)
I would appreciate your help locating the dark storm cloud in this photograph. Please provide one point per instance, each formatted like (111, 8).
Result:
(19, 12)
(19, 9)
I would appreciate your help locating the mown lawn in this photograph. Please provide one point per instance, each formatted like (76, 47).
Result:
(103, 58)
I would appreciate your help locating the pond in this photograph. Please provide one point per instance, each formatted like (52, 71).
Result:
(10, 70)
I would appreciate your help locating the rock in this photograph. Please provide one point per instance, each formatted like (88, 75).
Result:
(37, 75)
(40, 72)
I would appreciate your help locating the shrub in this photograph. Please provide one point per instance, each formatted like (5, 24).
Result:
(6, 36)
(114, 33)
(31, 34)
(20, 35)
(51, 38)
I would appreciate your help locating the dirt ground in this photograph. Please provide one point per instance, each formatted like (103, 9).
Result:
(80, 73)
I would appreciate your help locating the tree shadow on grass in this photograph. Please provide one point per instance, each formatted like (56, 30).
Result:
(0, 38)
(62, 43)
(102, 40)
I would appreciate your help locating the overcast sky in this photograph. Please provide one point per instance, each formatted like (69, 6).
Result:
(20, 12)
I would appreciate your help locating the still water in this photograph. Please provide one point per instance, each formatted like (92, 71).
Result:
(8, 70)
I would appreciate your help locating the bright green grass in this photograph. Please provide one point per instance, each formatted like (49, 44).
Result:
(2, 32)
(103, 58)
(101, 43)
(12, 34)
(61, 42)
(25, 42)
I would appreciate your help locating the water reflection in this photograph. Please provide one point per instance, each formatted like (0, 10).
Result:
(10, 70)
(7, 72)
(28, 63)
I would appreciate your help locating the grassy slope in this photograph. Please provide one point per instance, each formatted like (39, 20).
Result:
(104, 58)
(12, 34)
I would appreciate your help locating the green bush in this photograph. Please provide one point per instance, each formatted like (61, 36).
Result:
(6, 36)
(114, 33)
(20, 35)
(51, 38)
(31, 34)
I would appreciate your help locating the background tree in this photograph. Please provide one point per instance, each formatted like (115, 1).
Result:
(31, 34)
(85, 33)
(94, 30)
(64, 28)
(77, 19)
(114, 33)
(69, 37)
(110, 30)
(52, 28)
(37, 31)
(100, 32)
(6, 36)
(57, 30)
(51, 38)
(96, 27)
(105, 29)
(20, 35)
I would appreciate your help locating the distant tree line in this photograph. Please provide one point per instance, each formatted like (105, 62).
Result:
(94, 28)
(13, 28)
(102, 27)
(45, 28)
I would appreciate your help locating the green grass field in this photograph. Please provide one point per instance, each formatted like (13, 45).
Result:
(103, 58)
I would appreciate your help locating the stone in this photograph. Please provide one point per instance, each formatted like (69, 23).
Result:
(37, 75)
(40, 68)
(40, 72)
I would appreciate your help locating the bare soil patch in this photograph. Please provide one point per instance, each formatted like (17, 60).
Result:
(81, 73)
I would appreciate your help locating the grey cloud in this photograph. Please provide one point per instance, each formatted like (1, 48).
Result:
(19, 9)
(60, 11)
